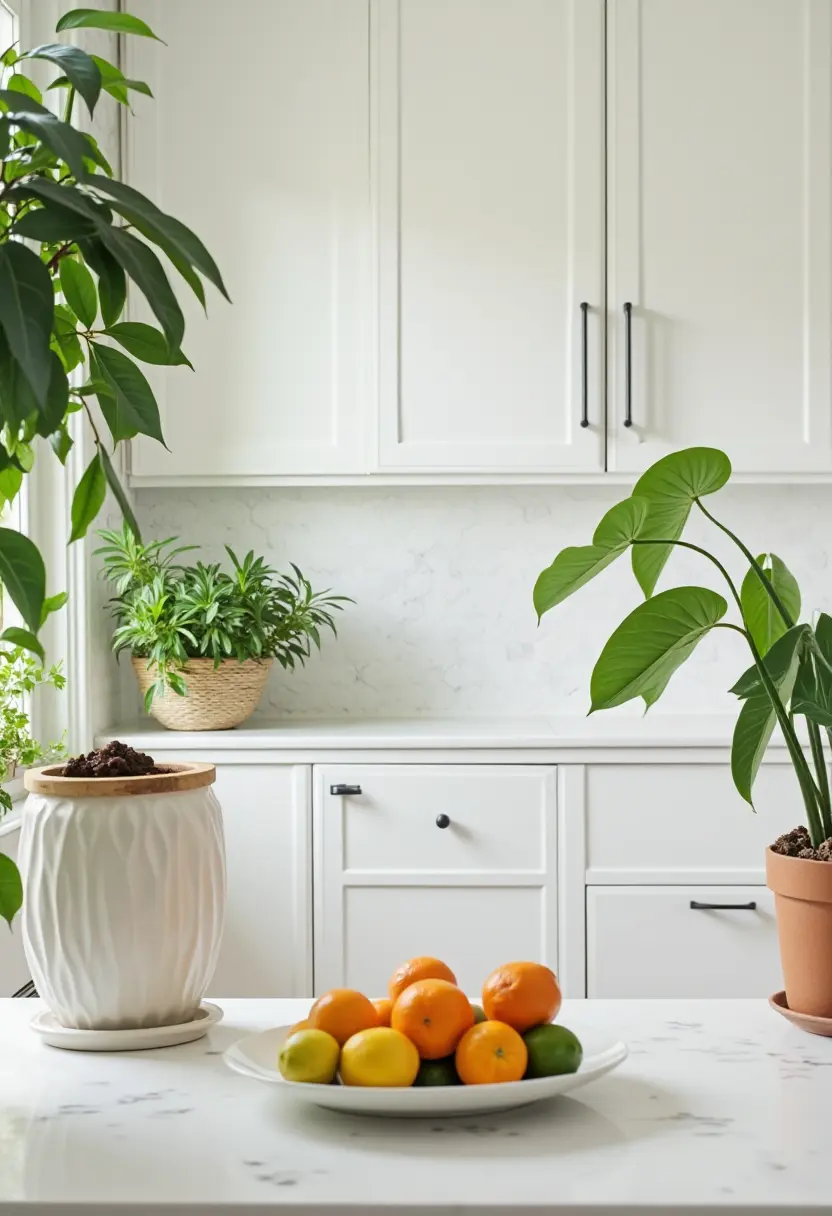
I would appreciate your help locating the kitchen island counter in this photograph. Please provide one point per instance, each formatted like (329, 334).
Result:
(721, 1106)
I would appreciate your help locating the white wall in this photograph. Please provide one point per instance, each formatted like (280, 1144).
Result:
(443, 621)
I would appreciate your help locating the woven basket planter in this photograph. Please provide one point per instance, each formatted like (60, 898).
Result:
(218, 697)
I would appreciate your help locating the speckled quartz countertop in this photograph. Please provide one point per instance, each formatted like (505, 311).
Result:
(721, 1105)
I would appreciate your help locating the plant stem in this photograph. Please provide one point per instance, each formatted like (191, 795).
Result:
(815, 741)
(812, 796)
(70, 102)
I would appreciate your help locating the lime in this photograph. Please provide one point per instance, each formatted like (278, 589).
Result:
(553, 1050)
(479, 1014)
(309, 1056)
(437, 1072)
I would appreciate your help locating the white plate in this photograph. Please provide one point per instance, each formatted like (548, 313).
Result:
(256, 1056)
(52, 1032)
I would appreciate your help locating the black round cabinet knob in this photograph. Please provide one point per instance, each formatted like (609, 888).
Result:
(442, 821)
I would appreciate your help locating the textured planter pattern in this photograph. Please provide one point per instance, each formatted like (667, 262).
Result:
(218, 698)
(124, 905)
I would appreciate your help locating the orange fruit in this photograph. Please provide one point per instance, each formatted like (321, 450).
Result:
(422, 968)
(305, 1024)
(434, 1015)
(522, 995)
(343, 1012)
(490, 1052)
(383, 1008)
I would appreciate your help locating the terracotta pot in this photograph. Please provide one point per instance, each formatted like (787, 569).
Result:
(803, 901)
(125, 894)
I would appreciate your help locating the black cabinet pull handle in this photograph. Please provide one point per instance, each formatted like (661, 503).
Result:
(345, 789)
(628, 364)
(584, 366)
(443, 821)
(751, 906)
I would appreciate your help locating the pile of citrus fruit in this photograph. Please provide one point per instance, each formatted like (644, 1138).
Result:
(427, 1032)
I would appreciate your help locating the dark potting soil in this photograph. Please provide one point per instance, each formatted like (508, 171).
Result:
(798, 843)
(113, 760)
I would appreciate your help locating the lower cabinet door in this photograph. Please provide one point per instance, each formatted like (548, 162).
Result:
(13, 970)
(267, 941)
(681, 942)
(455, 861)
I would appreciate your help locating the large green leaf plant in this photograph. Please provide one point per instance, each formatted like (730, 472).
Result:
(72, 236)
(790, 675)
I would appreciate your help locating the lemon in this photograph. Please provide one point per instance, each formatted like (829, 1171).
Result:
(310, 1056)
(379, 1056)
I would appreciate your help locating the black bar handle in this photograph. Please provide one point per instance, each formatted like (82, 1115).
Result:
(751, 906)
(344, 789)
(628, 364)
(584, 366)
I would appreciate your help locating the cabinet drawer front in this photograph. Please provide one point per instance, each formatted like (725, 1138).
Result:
(684, 822)
(649, 942)
(499, 816)
(473, 929)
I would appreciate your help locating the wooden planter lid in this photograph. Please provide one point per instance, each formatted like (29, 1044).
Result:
(176, 780)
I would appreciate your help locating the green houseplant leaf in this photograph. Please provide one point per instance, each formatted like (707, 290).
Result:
(762, 618)
(94, 19)
(11, 889)
(23, 575)
(142, 265)
(574, 567)
(757, 719)
(651, 643)
(132, 409)
(112, 281)
(26, 310)
(671, 486)
(24, 639)
(79, 291)
(80, 68)
(118, 492)
(146, 343)
(161, 228)
(88, 498)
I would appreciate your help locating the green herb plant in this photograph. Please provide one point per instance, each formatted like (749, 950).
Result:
(20, 675)
(791, 669)
(71, 237)
(168, 613)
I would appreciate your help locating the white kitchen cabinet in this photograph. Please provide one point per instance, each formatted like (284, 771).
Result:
(267, 941)
(258, 140)
(490, 212)
(681, 942)
(683, 823)
(14, 972)
(391, 882)
(719, 212)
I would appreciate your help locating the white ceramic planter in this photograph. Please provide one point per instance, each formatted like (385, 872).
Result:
(124, 895)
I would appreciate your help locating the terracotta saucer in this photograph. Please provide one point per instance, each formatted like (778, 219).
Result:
(806, 1021)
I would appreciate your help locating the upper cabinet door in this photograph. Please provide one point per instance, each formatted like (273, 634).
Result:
(719, 218)
(488, 130)
(258, 140)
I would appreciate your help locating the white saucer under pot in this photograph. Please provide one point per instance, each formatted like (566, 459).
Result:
(141, 1039)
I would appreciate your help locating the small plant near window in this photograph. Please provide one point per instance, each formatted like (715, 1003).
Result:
(169, 614)
(20, 675)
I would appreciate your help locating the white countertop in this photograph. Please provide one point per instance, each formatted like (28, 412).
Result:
(601, 731)
(722, 1105)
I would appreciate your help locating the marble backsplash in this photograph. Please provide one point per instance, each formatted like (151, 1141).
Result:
(443, 623)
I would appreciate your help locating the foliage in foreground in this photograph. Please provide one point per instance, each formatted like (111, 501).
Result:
(71, 237)
(168, 613)
(791, 671)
